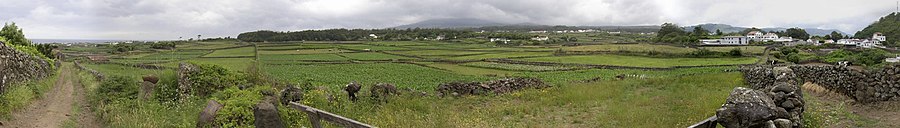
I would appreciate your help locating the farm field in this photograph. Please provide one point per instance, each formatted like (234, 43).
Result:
(629, 48)
(580, 96)
(636, 61)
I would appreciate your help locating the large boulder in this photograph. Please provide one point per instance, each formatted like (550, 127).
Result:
(208, 115)
(291, 94)
(746, 108)
(147, 90)
(266, 115)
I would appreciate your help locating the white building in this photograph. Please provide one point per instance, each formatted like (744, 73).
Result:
(770, 36)
(892, 60)
(540, 38)
(755, 35)
(878, 37)
(373, 36)
(504, 40)
(728, 40)
(784, 39)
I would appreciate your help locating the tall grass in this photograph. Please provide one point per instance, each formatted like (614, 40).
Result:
(18, 95)
(655, 102)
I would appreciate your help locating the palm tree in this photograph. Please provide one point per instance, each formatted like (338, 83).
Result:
(198, 37)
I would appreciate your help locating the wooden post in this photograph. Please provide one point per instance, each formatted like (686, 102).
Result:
(313, 118)
(315, 115)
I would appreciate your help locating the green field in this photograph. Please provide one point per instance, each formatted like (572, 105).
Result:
(516, 67)
(234, 52)
(337, 75)
(303, 51)
(371, 56)
(636, 61)
(580, 96)
(282, 57)
(629, 48)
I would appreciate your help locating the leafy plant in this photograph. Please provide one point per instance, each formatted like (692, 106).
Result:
(117, 87)
(238, 107)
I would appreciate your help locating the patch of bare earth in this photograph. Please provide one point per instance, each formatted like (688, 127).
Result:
(884, 114)
(54, 108)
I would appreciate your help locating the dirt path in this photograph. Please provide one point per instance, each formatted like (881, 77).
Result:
(55, 107)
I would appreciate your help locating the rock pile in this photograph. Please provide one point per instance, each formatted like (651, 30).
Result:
(772, 102)
(16, 66)
(184, 81)
(382, 90)
(497, 86)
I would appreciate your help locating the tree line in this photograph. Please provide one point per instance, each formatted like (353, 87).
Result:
(353, 35)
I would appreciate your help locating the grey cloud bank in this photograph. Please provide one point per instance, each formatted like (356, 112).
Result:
(170, 19)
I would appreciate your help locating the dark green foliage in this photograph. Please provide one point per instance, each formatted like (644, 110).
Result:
(167, 88)
(672, 33)
(699, 31)
(705, 53)
(735, 52)
(889, 26)
(748, 30)
(835, 36)
(163, 45)
(238, 109)
(117, 88)
(46, 50)
(14, 35)
(352, 35)
(209, 79)
(796, 33)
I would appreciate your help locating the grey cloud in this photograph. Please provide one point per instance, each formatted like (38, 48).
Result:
(170, 19)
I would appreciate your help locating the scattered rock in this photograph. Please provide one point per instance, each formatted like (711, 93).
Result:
(266, 116)
(208, 115)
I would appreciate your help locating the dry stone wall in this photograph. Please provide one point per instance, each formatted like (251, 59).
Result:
(17, 67)
(774, 99)
(861, 85)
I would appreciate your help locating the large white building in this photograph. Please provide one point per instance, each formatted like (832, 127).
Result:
(728, 40)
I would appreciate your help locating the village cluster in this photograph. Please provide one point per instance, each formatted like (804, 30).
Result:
(757, 36)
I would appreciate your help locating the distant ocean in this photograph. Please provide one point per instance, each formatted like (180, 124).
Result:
(44, 41)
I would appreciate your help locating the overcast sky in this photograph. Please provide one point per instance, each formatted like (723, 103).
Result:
(170, 19)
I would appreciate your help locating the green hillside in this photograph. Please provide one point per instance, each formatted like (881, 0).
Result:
(888, 25)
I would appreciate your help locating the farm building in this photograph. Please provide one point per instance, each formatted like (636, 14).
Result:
(728, 40)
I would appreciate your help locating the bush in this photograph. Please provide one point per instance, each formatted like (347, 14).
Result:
(117, 88)
(238, 110)
(167, 88)
(736, 52)
(211, 78)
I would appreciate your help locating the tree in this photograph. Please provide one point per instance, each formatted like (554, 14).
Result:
(14, 35)
(748, 30)
(719, 32)
(699, 31)
(836, 35)
(796, 33)
(670, 30)
(198, 37)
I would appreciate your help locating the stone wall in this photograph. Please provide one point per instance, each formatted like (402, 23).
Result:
(862, 85)
(774, 99)
(18, 67)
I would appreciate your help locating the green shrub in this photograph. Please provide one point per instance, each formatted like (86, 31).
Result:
(238, 110)
(117, 88)
(211, 78)
(167, 88)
